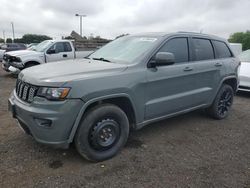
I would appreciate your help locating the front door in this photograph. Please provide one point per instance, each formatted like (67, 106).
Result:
(169, 88)
(62, 51)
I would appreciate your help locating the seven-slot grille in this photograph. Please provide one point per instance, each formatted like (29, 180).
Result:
(25, 91)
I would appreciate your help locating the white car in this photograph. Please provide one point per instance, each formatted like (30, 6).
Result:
(244, 73)
(45, 52)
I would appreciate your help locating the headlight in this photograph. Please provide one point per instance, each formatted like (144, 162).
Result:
(53, 93)
(15, 59)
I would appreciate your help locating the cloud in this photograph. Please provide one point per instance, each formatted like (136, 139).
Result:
(109, 18)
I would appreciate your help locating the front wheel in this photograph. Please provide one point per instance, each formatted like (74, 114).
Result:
(222, 103)
(102, 133)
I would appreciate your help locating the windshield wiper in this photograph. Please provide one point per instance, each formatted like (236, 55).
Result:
(101, 59)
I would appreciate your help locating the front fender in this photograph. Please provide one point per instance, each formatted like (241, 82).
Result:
(39, 59)
(87, 104)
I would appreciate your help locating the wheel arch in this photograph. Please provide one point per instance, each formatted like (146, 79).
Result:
(232, 81)
(31, 62)
(123, 101)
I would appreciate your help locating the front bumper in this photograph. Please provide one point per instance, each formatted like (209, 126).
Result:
(49, 122)
(244, 84)
(12, 67)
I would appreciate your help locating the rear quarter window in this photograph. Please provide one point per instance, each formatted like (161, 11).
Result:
(203, 49)
(221, 50)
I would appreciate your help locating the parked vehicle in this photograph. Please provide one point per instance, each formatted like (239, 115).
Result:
(244, 73)
(10, 47)
(32, 46)
(47, 51)
(13, 47)
(131, 82)
(236, 48)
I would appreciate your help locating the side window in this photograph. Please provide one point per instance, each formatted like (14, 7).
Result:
(221, 50)
(177, 46)
(12, 45)
(67, 47)
(203, 49)
(58, 47)
(21, 45)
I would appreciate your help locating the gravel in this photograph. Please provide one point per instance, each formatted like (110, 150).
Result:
(191, 150)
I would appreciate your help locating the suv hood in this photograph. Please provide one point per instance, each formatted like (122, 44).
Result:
(57, 73)
(23, 53)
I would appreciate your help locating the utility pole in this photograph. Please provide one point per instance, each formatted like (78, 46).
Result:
(13, 31)
(4, 36)
(81, 16)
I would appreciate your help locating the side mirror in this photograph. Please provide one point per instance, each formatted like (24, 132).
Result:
(163, 58)
(51, 51)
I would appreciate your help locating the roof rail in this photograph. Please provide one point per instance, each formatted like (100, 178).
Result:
(189, 32)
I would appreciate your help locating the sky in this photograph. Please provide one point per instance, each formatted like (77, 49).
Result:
(110, 18)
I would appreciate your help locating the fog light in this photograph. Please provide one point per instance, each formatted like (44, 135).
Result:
(43, 122)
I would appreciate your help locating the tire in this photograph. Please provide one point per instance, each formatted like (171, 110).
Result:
(102, 133)
(222, 102)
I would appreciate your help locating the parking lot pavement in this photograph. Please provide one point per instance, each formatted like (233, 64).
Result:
(191, 150)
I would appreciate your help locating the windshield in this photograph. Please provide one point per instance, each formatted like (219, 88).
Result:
(245, 56)
(124, 49)
(41, 47)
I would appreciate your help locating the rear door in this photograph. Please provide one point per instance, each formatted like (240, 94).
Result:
(63, 51)
(207, 69)
(223, 57)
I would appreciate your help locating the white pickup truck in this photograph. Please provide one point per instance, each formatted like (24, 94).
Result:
(45, 52)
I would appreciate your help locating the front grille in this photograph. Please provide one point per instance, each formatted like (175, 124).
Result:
(25, 91)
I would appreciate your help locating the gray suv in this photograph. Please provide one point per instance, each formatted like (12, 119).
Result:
(127, 84)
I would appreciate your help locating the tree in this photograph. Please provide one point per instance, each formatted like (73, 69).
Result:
(8, 40)
(33, 38)
(241, 37)
(1, 40)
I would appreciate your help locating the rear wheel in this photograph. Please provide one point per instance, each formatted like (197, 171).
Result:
(222, 103)
(102, 133)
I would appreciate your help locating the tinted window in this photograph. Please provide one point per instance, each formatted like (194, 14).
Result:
(203, 49)
(13, 46)
(22, 46)
(221, 50)
(10, 45)
(177, 46)
(67, 47)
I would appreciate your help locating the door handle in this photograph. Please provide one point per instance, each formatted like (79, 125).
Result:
(188, 69)
(65, 55)
(218, 64)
